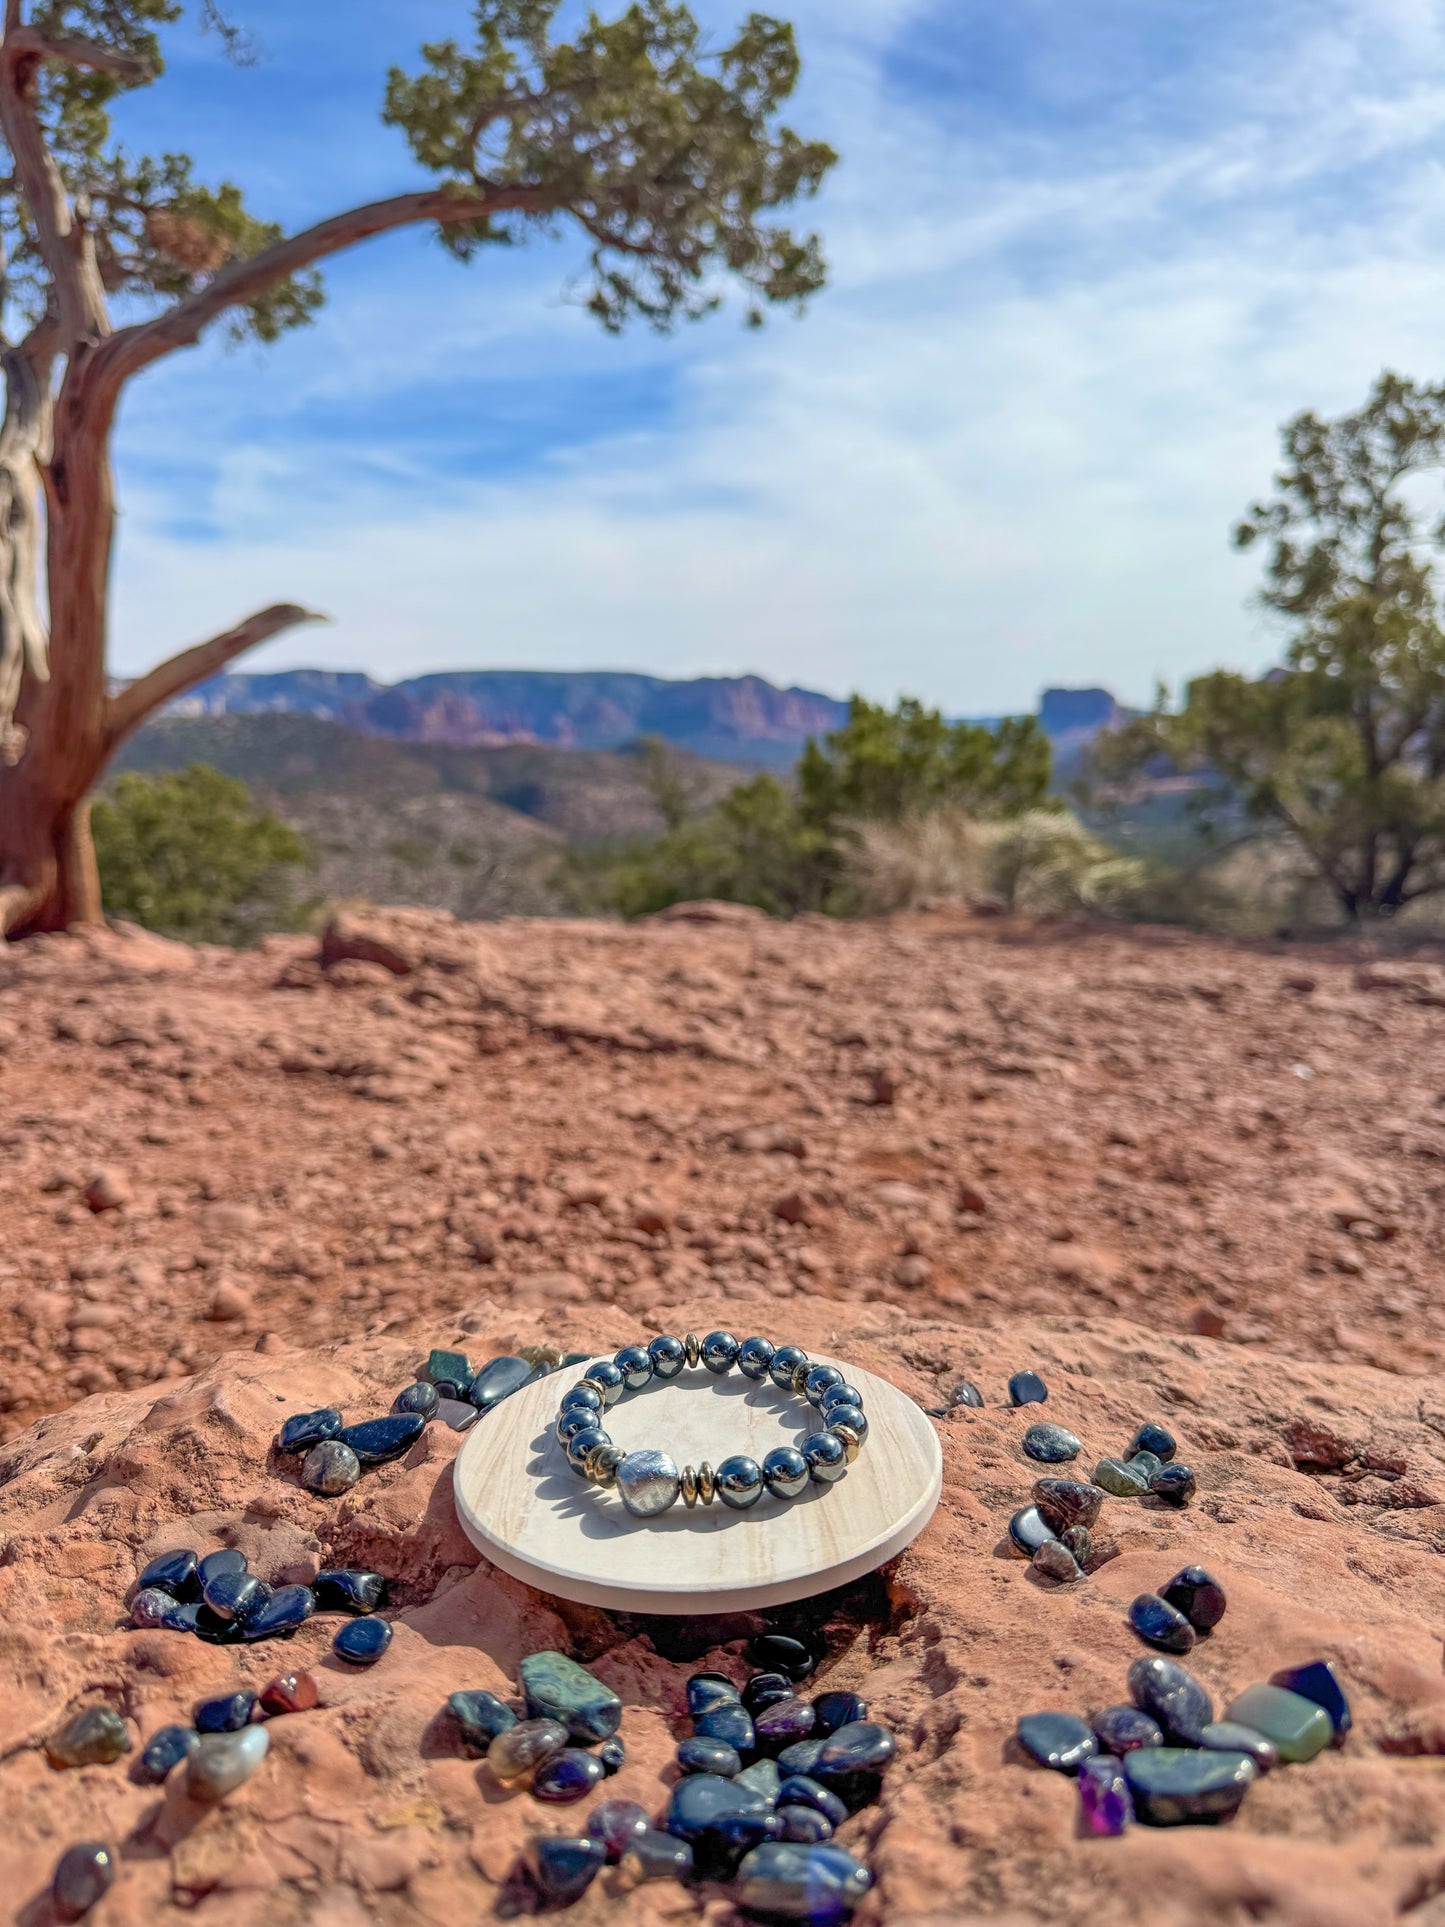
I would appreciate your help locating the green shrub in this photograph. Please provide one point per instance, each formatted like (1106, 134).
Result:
(189, 854)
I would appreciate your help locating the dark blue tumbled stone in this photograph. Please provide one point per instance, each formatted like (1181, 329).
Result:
(783, 1724)
(567, 1776)
(1200, 1598)
(766, 1689)
(799, 1790)
(230, 1594)
(172, 1572)
(1317, 1681)
(1172, 1696)
(421, 1397)
(1174, 1483)
(498, 1379)
(803, 1757)
(362, 1641)
(851, 1761)
(212, 1628)
(348, 1589)
(226, 1714)
(763, 1777)
(819, 1884)
(780, 1653)
(804, 1825)
(832, 1710)
(164, 1751)
(654, 1855)
(1051, 1444)
(706, 1690)
(215, 1563)
(1028, 1530)
(83, 1874)
(1058, 1740)
(697, 1755)
(557, 1688)
(1178, 1786)
(480, 1716)
(613, 1755)
(1120, 1729)
(184, 1617)
(450, 1372)
(287, 1608)
(720, 1820)
(1027, 1388)
(565, 1866)
(1161, 1624)
(731, 1724)
(965, 1392)
(376, 1440)
(1152, 1437)
(305, 1429)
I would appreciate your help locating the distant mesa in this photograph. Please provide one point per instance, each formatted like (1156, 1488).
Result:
(732, 718)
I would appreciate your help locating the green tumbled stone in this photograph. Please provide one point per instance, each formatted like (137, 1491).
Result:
(1298, 1728)
(94, 1737)
(1145, 1463)
(1124, 1481)
(557, 1688)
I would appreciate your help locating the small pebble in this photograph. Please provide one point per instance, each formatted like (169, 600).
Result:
(1200, 1598)
(522, 1748)
(779, 1652)
(281, 1613)
(1174, 1786)
(832, 1710)
(1067, 1502)
(345, 1589)
(150, 1607)
(1058, 1740)
(1156, 1621)
(1124, 1481)
(306, 1429)
(1228, 1736)
(94, 1737)
(766, 1689)
(224, 1761)
(1079, 1541)
(227, 1714)
(615, 1823)
(83, 1874)
(289, 1693)
(613, 1756)
(567, 1776)
(1027, 1388)
(705, 1690)
(820, 1884)
(1053, 1560)
(1119, 1729)
(210, 1626)
(227, 1559)
(653, 1855)
(361, 1642)
(480, 1717)
(1174, 1483)
(804, 1825)
(564, 1867)
(965, 1393)
(720, 1820)
(377, 1440)
(1027, 1531)
(733, 1725)
(1153, 1438)
(1317, 1681)
(1051, 1444)
(851, 1761)
(1106, 1805)
(1163, 1689)
(164, 1751)
(421, 1397)
(172, 1572)
(184, 1617)
(330, 1468)
(697, 1755)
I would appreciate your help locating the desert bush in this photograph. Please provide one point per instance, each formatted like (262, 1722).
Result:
(1043, 862)
(189, 854)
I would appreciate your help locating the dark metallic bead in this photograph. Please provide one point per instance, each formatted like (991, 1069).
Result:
(819, 1380)
(755, 1355)
(842, 1394)
(608, 1378)
(740, 1482)
(719, 1353)
(852, 1416)
(579, 1446)
(577, 1418)
(785, 1472)
(827, 1456)
(852, 1444)
(635, 1366)
(668, 1355)
(706, 1483)
(785, 1362)
(581, 1397)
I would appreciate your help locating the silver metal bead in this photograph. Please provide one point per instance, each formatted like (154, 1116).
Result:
(693, 1346)
(827, 1456)
(754, 1357)
(784, 1363)
(819, 1380)
(648, 1482)
(740, 1482)
(785, 1472)
(635, 1365)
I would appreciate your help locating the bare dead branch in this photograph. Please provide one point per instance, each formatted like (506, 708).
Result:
(71, 50)
(127, 711)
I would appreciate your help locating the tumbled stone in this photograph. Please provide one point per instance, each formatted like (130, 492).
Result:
(329, 1468)
(564, 1866)
(1106, 1806)
(480, 1717)
(1317, 1681)
(1124, 1481)
(567, 1776)
(1200, 1598)
(653, 1855)
(832, 1710)
(781, 1653)
(613, 1755)
(1027, 1388)
(704, 1690)
(965, 1392)
(498, 1379)
(1067, 1502)
(226, 1714)
(224, 1761)
(733, 1725)
(289, 1693)
(348, 1589)
(229, 1594)
(164, 1751)
(1174, 1483)
(766, 1689)
(821, 1884)
(1156, 1621)
(305, 1429)
(93, 1737)
(1120, 1729)
(1079, 1541)
(763, 1776)
(1152, 1437)
(1228, 1736)
(1295, 1726)
(556, 1687)
(1059, 1740)
(803, 1757)
(456, 1414)
(184, 1617)
(82, 1875)
(782, 1725)
(1054, 1561)
(720, 1819)
(421, 1397)
(1028, 1530)
(1145, 1463)
(450, 1372)
(615, 1823)
(279, 1614)
(172, 1572)
(799, 1789)
(1172, 1696)
(227, 1559)
(151, 1606)
(851, 1761)
(377, 1440)
(519, 1750)
(1051, 1444)
(210, 1626)
(361, 1642)
(1176, 1786)
(804, 1825)
(697, 1755)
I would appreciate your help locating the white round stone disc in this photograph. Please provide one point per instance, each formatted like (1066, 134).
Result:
(531, 1515)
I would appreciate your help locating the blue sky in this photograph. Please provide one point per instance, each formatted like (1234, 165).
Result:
(1086, 257)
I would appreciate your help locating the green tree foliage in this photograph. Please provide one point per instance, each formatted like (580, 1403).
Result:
(1343, 747)
(888, 763)
(187, 853)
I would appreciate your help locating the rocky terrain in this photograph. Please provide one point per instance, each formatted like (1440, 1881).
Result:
(1180, 1180)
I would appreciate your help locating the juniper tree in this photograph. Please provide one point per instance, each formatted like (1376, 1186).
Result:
(666, 157)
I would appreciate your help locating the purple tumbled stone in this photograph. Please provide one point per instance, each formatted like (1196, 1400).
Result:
(783, 1725)
(1104, 1797)
(615, 1823)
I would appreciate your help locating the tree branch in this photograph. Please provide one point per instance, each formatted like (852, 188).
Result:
(127, 711)
(130, 350)
(74, 51)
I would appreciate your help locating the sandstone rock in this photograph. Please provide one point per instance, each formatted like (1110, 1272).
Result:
(107, 1190)
(230, 1303)
(708, 910)
(795, 1207)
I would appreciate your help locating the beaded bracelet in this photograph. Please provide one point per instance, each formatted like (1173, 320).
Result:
(649, 1481)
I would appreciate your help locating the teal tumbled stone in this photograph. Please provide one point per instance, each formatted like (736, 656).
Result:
(1124, 1481)
(1176, 1786)
(557, 1688)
